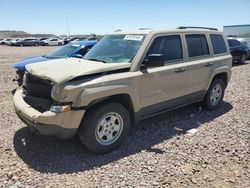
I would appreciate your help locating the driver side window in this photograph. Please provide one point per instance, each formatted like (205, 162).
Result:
(169, 46)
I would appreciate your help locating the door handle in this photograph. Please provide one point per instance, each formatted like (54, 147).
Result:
(208, 64)
(180, 70)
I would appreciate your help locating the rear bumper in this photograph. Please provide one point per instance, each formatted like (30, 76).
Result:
(63, 125)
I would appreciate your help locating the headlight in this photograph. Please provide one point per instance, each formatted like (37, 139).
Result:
(59, 109)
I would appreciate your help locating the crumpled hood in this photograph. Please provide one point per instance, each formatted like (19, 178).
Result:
(63, 70)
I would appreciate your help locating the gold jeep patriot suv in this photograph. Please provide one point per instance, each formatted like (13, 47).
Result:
(125, 77)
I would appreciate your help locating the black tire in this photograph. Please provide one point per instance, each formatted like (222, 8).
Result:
(60, 44)
(243, 58)
(208, 104)
(87, 131)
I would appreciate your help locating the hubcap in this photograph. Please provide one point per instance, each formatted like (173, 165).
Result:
(216, 94)
(109, 128)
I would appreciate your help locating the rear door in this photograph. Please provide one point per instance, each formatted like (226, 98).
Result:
(199, 63)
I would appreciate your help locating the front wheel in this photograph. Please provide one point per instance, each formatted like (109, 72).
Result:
(104, 127)
(215, 94)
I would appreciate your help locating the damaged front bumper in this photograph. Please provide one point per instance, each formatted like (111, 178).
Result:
(63, 125)
(19, 77)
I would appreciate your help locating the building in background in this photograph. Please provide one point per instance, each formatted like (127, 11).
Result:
(237, 30)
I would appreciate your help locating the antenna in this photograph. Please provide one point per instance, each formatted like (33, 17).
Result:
(67, 26)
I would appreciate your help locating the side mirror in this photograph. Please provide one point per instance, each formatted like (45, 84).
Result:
(77, 55)
(154, 60)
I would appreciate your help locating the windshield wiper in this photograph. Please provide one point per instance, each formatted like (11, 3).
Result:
(97, 60)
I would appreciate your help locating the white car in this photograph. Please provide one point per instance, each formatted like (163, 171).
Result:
(14, 41)
(53, 42)
(6, 41)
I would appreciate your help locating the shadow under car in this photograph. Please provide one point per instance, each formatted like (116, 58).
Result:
(53, 155)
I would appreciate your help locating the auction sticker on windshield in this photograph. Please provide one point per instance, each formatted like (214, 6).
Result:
(133, 37)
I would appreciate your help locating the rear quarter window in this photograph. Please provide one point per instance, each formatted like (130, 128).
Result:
(197, 45)
(218, 44)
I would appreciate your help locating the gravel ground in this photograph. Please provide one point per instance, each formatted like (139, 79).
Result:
(158, 152)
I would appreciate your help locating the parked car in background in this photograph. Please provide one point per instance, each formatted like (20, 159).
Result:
(53, 42)
(27, 42)
(239, 51)
(246, 42)
(14, 41)
(74, 39)
(41, 41)
(77, 49)
(6, 41)
(66, 40)
(125, 77)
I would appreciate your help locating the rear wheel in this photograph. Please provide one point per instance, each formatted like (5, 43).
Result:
(215, 94)
(104, 127)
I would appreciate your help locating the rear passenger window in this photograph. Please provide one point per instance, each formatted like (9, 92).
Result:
(170, 46)
(197, 45)
(218, 43)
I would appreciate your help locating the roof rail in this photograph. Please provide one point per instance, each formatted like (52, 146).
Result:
(144, 28)
(193, 27)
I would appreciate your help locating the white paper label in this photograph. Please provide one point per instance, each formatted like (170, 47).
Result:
(133, 37)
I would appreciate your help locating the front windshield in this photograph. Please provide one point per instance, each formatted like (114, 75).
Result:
(116, 48)
(63, 51)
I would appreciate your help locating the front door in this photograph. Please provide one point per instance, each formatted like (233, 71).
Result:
(165, 86)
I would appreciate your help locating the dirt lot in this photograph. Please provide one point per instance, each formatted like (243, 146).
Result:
(156, 153)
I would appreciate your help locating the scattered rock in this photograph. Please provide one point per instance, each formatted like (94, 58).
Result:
(194, 180)
(217, 154)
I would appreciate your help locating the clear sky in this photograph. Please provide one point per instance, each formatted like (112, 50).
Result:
(103, 16)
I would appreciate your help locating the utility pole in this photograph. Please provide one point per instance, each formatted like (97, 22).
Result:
(67, 27)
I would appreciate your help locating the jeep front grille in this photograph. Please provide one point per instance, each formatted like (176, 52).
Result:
(37, 87)
(37, 92)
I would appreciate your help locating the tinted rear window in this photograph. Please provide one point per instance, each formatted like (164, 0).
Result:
(218, 43)
(197, 45)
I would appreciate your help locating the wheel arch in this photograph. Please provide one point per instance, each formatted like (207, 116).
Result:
(223, 73)
(122, 98)
(223, 76)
